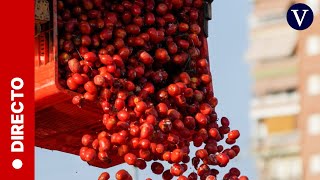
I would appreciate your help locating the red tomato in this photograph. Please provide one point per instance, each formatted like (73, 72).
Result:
(123, 175)
(104, 176)
(130, 159)
(157, 168)
(176, 169)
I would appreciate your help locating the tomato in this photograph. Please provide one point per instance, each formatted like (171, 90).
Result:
(146, 58)
(165, 125)
(144, 144)
(160, 148)
(123, 115)
(130, 159)
(176, 169)
(201, 153)
(162, 55)
(177, 155)
(82, 152)
(144, 154)
(141, 106)
(223, 159)
(104, 176)
(157, 168)
(166, 175)
(201, 119)
(183, 27)
(141, 164)
(230, 141)
(203, 169)
(146, 130)
(193, 176)
(149, 18)
(123, 175)
(162, 9)
(72, 85)
(225, 122)
(182, 178)
(210, 177)
(90, 155)
(243, 178)
(103, 156)
(104, 144)
(234, 134)
(84, 27)
(167, 156)
(132, 29)
(134, 143)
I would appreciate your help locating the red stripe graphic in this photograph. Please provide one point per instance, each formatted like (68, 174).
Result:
(17, 90)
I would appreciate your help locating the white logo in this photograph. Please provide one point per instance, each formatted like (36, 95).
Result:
(299, 21)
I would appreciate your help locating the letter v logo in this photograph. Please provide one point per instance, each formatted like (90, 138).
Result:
(300, 16)
(295, 12)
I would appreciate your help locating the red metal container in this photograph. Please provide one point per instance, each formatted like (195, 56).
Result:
(60, 124)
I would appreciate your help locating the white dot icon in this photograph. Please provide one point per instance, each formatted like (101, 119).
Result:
(17, 164)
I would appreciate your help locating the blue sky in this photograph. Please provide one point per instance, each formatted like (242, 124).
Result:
(231, 73)
(228, 36)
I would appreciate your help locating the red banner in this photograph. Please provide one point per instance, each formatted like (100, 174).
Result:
(17, 90)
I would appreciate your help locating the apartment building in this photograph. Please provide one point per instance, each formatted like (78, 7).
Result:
(285, 108)
(309, 89)
(274, 57)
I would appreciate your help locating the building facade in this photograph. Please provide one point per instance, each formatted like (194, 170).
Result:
(285, 108)
(309, 89)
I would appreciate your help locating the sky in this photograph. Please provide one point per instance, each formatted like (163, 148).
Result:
(228, 43)
(231, 73)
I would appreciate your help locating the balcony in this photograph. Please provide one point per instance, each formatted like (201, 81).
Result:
(278, 144)
(281, 104)
(272, 43)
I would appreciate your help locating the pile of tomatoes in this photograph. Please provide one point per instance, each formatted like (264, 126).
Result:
(145, 62)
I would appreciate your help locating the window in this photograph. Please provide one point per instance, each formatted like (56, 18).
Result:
(314, 5)
(313, 85)
(296, 168)
(314, 124)
(314, 164)
(278, 168)
(313, 45)
(286, 168)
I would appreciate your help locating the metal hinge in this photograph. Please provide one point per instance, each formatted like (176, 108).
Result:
(208, 9)
(207, 16)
